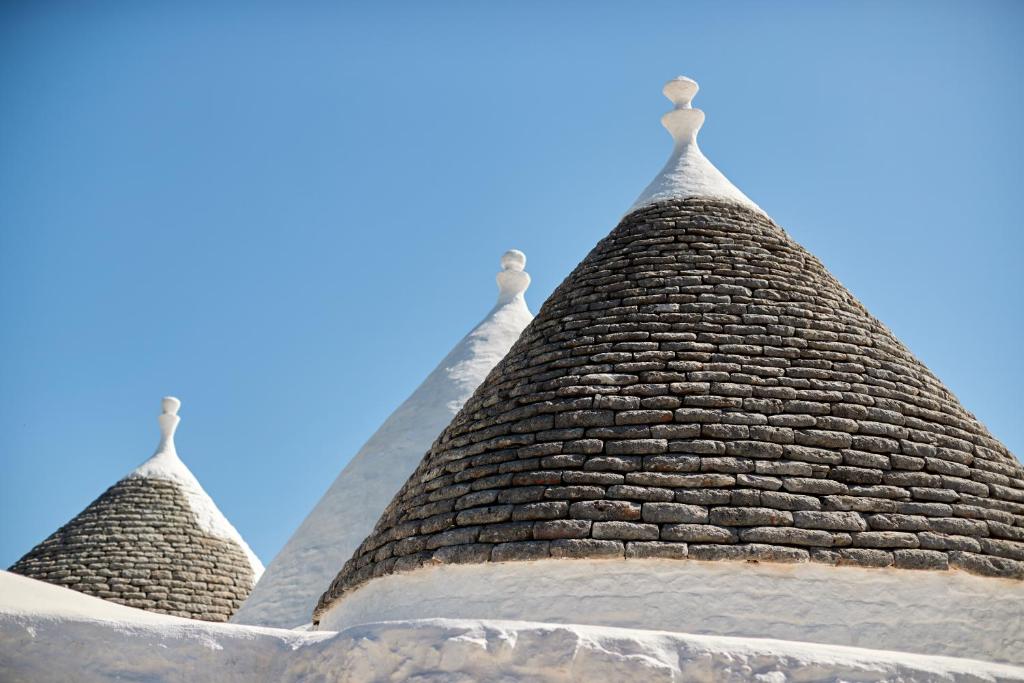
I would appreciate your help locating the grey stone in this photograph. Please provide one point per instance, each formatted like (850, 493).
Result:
(625, 531)
(605, 510)
(836, 521)
(787, 536)
(746, 516)
(588, 548)
(674, 513)
(526, 550)
(655, 549)
(562, 528)
(698, 533)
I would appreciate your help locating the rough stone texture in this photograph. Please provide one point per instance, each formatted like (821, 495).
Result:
(699, 356)
(139, 545)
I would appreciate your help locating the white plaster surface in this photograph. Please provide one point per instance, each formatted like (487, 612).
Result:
(165, 464)
(345, 515)
(48, 633)
(687, 173)
(927, 612)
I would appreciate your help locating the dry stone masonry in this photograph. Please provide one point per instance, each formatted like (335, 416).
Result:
(700, 387)
(139, 545)
(154, 540)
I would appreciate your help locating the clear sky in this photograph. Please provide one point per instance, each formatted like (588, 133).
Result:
(285, 214)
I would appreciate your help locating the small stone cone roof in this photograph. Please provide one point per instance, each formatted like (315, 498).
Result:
(701, 387)
(298, 575)
(154, 540)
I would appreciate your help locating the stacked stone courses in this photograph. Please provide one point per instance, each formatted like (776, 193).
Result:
(139, 545)
(700, 387)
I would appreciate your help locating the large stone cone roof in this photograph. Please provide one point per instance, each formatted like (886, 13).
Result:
(701, 387)
(295, 579)
(154, 540)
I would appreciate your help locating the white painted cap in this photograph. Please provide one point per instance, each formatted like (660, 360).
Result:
(513, 259)
(170, 405)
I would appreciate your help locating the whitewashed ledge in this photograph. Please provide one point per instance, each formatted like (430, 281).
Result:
(51, 634)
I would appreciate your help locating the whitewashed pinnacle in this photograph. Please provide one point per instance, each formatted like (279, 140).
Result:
(513, 279)
(168, 422)
(687, 173)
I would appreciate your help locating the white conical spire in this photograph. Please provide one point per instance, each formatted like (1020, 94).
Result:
(301, 572)
(687, 173)
(165, 464)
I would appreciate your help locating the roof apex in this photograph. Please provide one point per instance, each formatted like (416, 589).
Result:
(687, 173)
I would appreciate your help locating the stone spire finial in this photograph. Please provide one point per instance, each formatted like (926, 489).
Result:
(688, 173)
(168, 422)
(512, 280)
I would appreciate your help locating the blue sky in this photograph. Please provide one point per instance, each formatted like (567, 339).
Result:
(286, 214)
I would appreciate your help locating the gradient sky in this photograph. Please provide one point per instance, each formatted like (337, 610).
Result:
(285, 214)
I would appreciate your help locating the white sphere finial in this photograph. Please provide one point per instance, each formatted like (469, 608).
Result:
(512, 280)
(513, 259)
(170, 405)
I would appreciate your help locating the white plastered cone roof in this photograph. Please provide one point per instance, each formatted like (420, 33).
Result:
(343, 517)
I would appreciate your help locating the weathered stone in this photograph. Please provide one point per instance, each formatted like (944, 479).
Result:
(562, 528)
(745, 516)
(787, 536)
(818, 487)
(986, 565)
(647, 493)
(836, 521)
(458, 536)
(505, 533)
(546, 510)
(716, 552)
(605, 510)
(789, 501)
(930, 541)
(672, 463)
(760, 552)
(885, 539)
(865, 557)
(756, 481)
(698, 533)
(655, 549)
(680, 480)
(526, 550)
(674, 513)
(858, 504)
(887, 522)
(636, 447)
(487, 515)
(588, 548)
(625, 531)
(463, 554)
(920, 559)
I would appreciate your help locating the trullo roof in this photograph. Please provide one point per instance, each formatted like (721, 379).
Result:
(154, 540)
(295, 579)
(700, 387)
